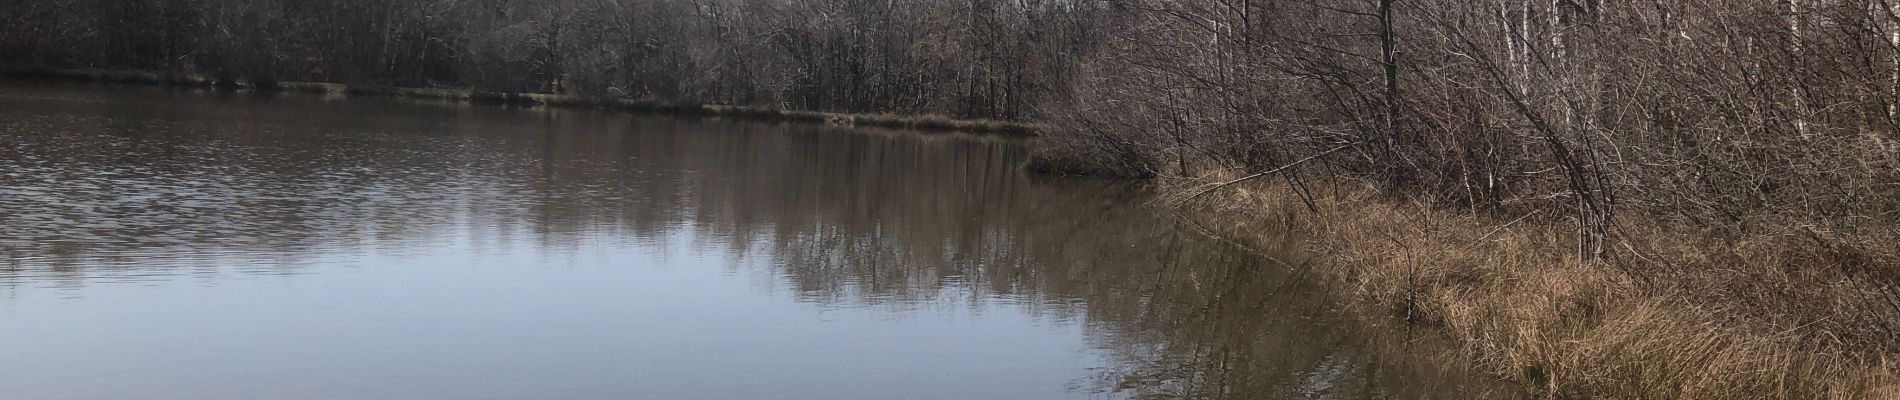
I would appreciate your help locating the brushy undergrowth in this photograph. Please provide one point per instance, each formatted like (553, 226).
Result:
(1683, 314)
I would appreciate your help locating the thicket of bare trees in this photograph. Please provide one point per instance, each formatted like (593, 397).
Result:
(1718, 169)
(1731, 114)
(976, 58)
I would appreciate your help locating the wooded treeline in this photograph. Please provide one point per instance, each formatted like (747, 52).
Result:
(1723, 175)
(1718, 112)
(978, 58)
(1714, 112)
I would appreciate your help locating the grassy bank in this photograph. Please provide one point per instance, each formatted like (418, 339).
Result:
(919, 122)
(1689, 314)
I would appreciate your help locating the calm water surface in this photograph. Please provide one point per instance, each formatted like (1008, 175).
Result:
(189, 245)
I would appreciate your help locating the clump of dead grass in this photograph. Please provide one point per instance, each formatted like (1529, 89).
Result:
(1675, 313)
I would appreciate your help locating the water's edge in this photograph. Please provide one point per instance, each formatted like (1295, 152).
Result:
(522, 99)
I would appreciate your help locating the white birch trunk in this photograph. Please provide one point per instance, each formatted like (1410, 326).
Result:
(1792, 9)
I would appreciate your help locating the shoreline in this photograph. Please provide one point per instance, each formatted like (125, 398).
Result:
(1519, 308)
(880, 120)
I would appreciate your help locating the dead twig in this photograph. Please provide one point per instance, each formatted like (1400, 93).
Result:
(1494, 231)
(1211, 188)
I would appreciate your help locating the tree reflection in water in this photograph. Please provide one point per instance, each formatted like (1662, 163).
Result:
(846, 218)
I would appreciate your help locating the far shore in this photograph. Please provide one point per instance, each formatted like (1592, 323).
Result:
(918, 122)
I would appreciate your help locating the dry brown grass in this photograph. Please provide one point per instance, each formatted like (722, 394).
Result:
(1679, 314)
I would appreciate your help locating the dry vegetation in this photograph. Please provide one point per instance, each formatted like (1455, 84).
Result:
(1759, 320)
(1688, 199)
(1655, 199)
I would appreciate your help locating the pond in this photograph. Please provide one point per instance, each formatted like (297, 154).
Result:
(167, 244)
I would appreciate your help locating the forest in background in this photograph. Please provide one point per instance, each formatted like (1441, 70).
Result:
(982, 59)
(1720, 113)
(1735, 164)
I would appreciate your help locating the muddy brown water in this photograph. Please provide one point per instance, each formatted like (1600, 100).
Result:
(164, 244)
